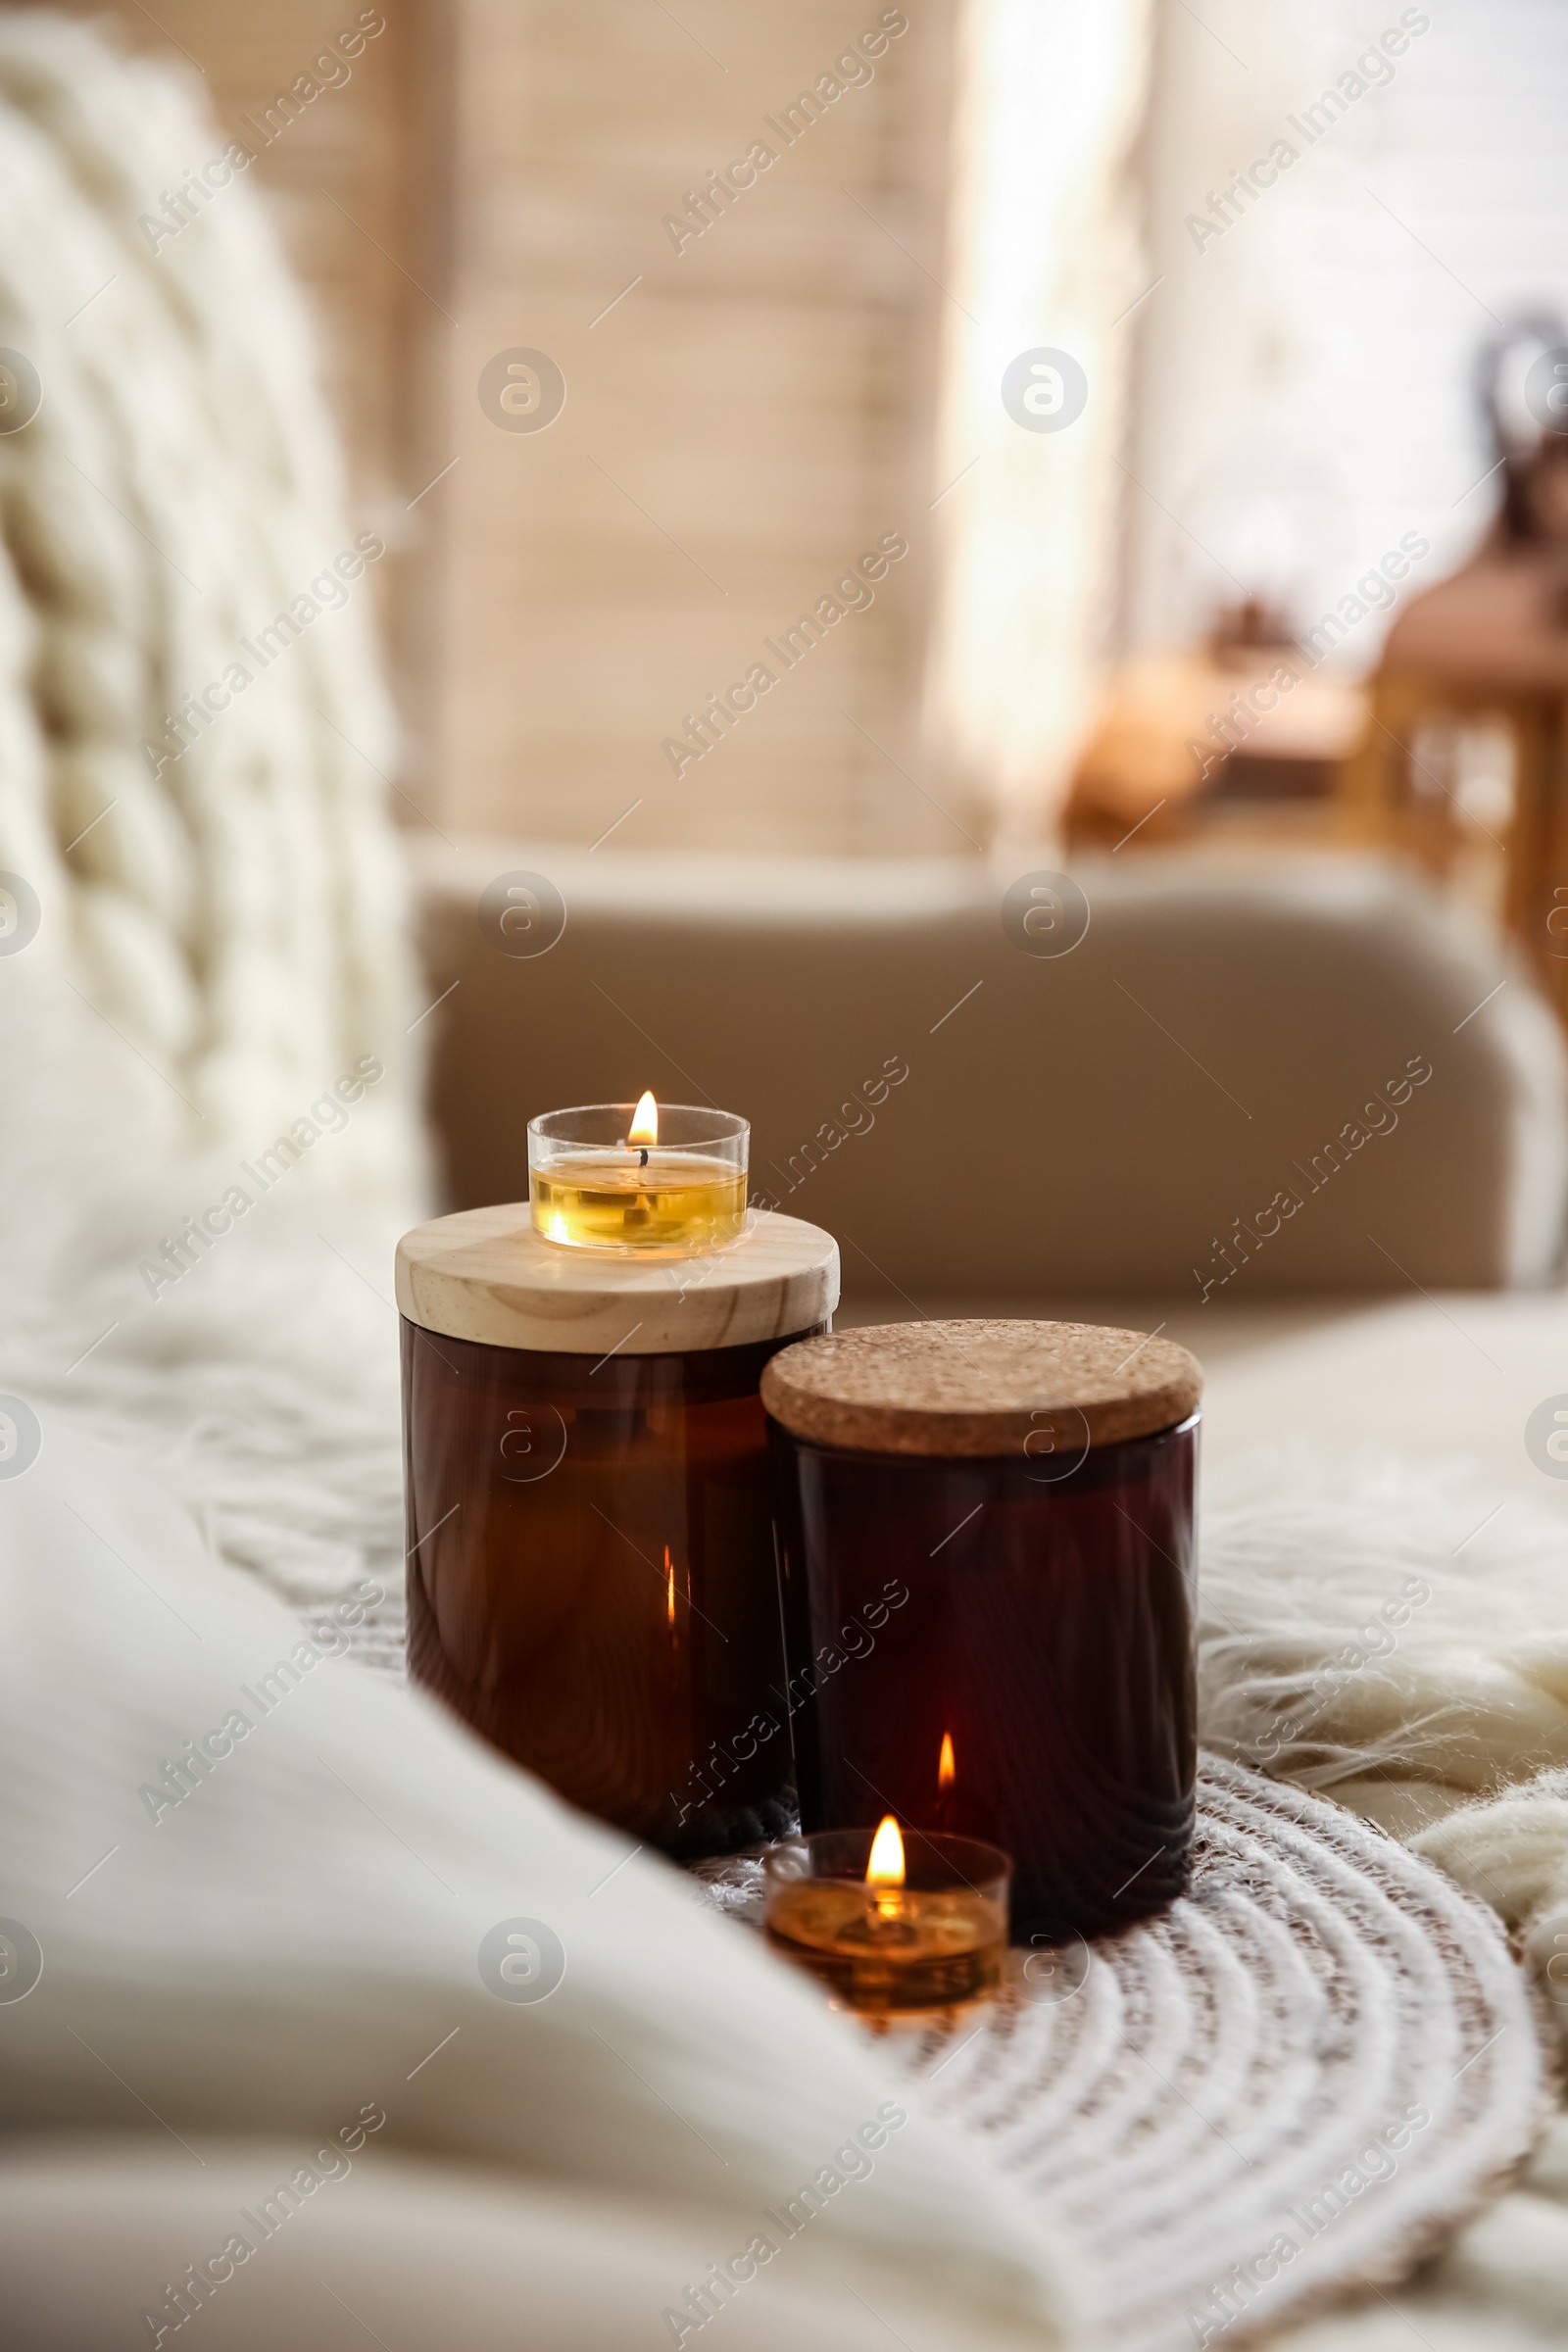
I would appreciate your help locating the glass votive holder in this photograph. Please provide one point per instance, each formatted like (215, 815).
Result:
(638, 1176)
(931, 1937)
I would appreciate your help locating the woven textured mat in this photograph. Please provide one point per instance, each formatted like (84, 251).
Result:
(1224, 2106)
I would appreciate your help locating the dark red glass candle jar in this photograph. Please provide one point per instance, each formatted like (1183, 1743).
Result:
(591, 1579)
(986, 1546)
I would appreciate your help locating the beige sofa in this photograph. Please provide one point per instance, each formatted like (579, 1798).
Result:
(1240, 1081)
(1082, 1134)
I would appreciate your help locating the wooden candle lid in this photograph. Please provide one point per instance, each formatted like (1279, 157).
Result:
(485, 1274)
(980, 1388)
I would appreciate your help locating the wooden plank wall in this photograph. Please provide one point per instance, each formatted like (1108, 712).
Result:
(746, 422)
(750, 418)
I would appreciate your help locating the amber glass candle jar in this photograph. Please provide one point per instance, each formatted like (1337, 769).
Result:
(986, 1545)
(591, 1579)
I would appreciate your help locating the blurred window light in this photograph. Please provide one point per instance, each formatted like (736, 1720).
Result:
(1304, 378)
(1047, 271)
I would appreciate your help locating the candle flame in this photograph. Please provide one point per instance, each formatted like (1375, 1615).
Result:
(669, 1576)
(644, 1128)
(946, 1769)
(886, 1866)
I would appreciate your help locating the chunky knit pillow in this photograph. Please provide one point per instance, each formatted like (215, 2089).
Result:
(193, 736)
(206, 989)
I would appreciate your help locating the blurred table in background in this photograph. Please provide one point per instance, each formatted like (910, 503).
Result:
(1234, 744)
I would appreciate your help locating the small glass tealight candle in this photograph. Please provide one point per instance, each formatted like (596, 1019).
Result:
(891, 1920)
(640, 1176)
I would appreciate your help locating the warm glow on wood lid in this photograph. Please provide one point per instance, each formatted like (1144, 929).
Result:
(489, 1274)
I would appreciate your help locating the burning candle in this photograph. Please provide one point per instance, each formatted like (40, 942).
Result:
(1030, 1487)
(891, 1920)
(634, 1177)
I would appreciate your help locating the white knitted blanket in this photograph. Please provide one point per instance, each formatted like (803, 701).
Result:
(1384, 1634)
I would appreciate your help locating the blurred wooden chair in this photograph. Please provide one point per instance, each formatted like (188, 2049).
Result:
(1486, 648)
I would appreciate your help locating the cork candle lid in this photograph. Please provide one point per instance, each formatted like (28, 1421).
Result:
(978, 1388)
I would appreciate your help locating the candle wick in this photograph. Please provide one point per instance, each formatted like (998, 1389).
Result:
(642, 1159)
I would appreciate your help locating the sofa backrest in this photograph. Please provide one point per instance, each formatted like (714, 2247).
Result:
(1254, 1078)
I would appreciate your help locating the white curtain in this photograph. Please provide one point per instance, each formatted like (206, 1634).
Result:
(1045, 254)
